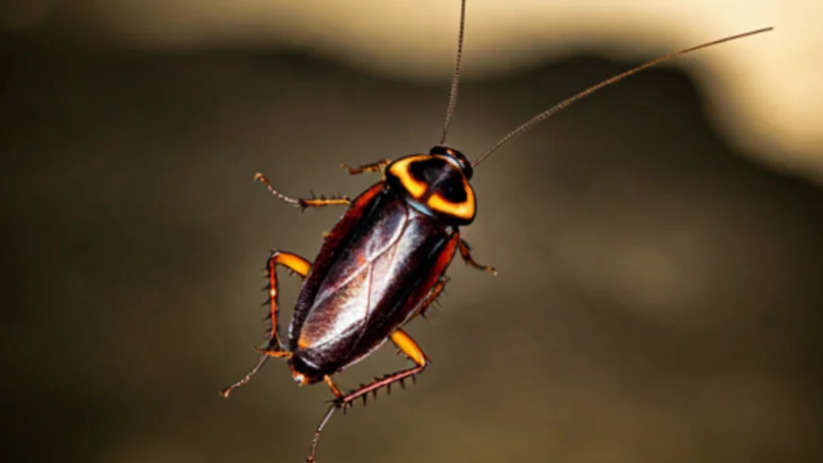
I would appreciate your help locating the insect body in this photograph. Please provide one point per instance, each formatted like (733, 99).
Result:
(387, 253)
(383, 263)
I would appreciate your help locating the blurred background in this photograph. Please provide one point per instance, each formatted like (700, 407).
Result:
(659, 245)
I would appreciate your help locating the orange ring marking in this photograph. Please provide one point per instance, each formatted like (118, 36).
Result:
(400, 169)
(463, 210)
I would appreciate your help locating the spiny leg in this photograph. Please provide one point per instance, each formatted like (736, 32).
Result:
(294, 263)
(373, 167)
(274, 348)
(406, 344)
(302, 202)
(435, 292)
(465, 253)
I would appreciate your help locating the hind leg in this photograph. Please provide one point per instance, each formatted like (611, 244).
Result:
(406, 344)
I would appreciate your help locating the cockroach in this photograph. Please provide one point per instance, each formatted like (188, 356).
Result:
(384, 262)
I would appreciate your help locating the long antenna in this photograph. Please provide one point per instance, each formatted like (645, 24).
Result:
(456, 76)
(528, 125)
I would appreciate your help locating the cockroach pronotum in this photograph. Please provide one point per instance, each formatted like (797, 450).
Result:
(384, 262)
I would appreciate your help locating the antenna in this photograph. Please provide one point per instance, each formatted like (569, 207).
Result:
(529, 124)
(456, 76)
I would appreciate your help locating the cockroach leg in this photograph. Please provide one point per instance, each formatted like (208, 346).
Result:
(373, 167)
(245, 379)
(312, 458)
(405, 343)
(320, 201)
(276, 353)
(303, 203)
(274, 348)
(435, 292)
(294, 263)
(334, 389)
(465, 253)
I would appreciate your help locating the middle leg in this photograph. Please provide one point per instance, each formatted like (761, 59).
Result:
(294, 263)
(274, 347)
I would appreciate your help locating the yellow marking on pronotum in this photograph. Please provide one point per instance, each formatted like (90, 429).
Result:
(400, 169)
(463, 210)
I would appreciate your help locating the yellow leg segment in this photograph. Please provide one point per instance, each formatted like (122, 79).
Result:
(373, 167)
(405, 343)
(334, 389)
(275, 349)
(320, 202)
(294, 263)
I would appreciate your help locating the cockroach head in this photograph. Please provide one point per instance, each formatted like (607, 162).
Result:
(436, 184)
(457, 157)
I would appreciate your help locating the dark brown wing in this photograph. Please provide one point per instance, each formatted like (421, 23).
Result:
(332, 246)
(370, 283)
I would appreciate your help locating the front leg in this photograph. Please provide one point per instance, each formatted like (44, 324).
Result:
(373, 167)
(303, 203)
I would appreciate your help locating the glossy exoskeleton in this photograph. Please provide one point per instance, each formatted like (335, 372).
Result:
(383, 263)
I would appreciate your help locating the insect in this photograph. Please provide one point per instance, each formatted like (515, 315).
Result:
(384, 262)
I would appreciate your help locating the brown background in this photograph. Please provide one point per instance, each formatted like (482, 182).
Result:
(658, 298)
